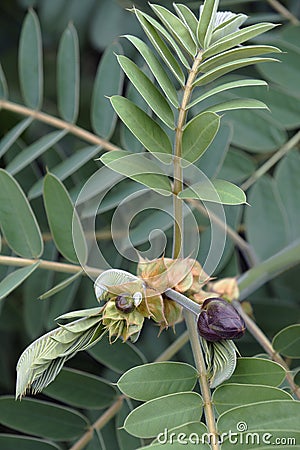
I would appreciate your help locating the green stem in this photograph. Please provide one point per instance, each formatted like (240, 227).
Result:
(251, 280)
(203, 381)
(183, 301)
(271, 161)
(178, 247)
(178, 183)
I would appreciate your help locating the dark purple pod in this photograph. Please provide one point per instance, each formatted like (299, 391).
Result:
(125, 303)
(219, 320)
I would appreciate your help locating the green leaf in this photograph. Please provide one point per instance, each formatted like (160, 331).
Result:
(217, 191)
(35, 312)
(228, 27)
(206, 22)
(42, 419)
(11, 442)
(281, 415)
(212, 161)
(67, 167)
(285, 112)
(80, 313)
(127, 139)
(221, 70)
(268, 136)
(156, 69)
(3, 85)
(237, 166)
(81, 389)
(238, 103)
(68, 76)
(287, 341)
(13, 135)
(61, 301)
(288, 185)
(14, 279)
(286, 73)
(59, 287)
(148, 91)
(198, 135)
(236, 54)
(157, 379)
(121, 191)
(226, 87)
(119, 356)
(237, 38)
(63, 220)
(18, 223)
(176, 28)
(188, 17)
(257, 371)
(161, 48)
(34, 150)
(145, 129)
(140, 168)
(169, 411)
(231, 395)
(167, 36)
(31, 61)
(109, 81)
(266, 213)
(125, 440)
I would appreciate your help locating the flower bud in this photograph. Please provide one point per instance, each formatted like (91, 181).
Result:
(227, 288)
(219, 320)
(125, 303)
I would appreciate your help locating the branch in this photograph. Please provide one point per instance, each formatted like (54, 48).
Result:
(174, 347)
(58, 123)
(100, 423)
(177, 252)
(260, 337)
(254, 278)
(48, 265)
(200, 365)
(283, 11)
(272, 161)
(244, 247)
(177, 177)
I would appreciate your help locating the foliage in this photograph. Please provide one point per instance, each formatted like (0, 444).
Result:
(236, 135)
